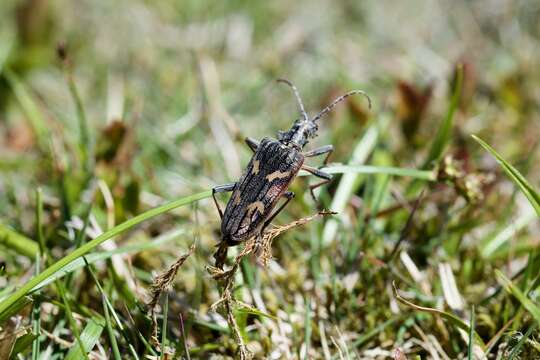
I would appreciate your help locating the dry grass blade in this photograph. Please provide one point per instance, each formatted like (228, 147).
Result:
(448, 316)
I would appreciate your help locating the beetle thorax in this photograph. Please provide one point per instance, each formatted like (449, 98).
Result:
(299, 133)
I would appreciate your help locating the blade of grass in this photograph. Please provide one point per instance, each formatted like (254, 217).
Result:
(427, 175)
(470, 348)
(349, 182)
(146, 345)
(370, 334)
(123, 330)
(36, 318)
(514, 175)
(519, 345)
(444, 132)
(110, 332)
(6, 44)
(164, 326)
(85, 146)
(212, 326)
(246, 309)
(83, 250)
(446, 315)
(501, 238)
(184, 339)
(362, 339)
(89, 337)
(79, 239)
(14, 308)
(22, 343)
(105, 303)
(104, 255)
(17, 242)
(39, 221)
(307, 325)
(73, 324)
(493, 341)
(518, 294)
(30, 109)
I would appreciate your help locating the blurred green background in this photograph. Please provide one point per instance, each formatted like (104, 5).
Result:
(123, 105)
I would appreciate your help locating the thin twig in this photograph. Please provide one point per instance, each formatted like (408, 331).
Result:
(261, 247)
(160, 284)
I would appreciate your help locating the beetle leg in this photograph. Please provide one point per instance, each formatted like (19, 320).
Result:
(321, 174)
(326, 149)
(221, 189)
(252, 143)
(289, 195)
(220, 255)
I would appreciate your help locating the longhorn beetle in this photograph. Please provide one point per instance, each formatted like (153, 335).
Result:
(273, 166)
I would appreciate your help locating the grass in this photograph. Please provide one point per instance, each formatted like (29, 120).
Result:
(108, 153)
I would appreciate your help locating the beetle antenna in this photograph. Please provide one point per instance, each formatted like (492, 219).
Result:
(298, 98)
(332, 105)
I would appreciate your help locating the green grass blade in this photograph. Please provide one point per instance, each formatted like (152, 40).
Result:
(372, 333)
(14, 308)
(39, 221)
(470, 349)
(86, 248)
(22, 343)
(30, 108)
(246, 309)
(503, 237)
(515, 176)
(106, 303)
(378, 329)
(164, 327)
(6, 44)
(85, 145)
(427, 175)
(104, 255)
(349, 182)
(110, 332)
(122, 329)
(89, 337)
(73, 324)
(444, 133)
(17, 242)
(518, 294)
(307, 325)
(79, 239)
(521, 342)
(36, 316)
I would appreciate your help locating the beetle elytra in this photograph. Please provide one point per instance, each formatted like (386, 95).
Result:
(273, 166)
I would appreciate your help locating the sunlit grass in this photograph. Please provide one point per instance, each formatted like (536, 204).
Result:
(146, 110)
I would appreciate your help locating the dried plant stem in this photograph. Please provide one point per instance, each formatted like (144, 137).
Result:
(160, 284)
(261, 246)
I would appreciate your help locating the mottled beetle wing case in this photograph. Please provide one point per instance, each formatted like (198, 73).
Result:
(265, 179)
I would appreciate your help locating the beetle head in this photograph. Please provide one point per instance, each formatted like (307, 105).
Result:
(299, 133)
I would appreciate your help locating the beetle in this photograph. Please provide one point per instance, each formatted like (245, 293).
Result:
(273, 166)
